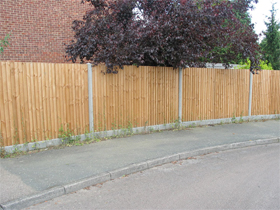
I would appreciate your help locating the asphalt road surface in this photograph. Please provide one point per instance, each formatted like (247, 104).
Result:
(247, 178)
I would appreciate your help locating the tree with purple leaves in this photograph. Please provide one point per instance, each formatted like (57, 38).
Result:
(174, 33)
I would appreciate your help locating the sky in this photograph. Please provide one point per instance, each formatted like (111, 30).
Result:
(262, 9)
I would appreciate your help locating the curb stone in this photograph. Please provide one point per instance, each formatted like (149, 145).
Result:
(72, 187)
(265, 141)
(128, 170)
(90, 181)
(34, 198)
(163, 160)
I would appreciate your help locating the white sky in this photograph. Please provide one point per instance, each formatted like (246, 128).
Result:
(262, 9)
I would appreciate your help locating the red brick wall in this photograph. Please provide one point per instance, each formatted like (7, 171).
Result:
(38, 28)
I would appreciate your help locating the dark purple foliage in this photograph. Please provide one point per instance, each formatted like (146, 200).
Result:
(163, 33)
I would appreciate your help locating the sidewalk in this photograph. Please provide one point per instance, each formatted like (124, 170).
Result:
(34, 173)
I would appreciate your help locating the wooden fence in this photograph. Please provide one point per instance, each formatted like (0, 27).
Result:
(215, 93)
(39, 100)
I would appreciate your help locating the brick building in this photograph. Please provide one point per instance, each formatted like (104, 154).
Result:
(38, 28)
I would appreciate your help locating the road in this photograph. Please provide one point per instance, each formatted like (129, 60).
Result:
(247, 178)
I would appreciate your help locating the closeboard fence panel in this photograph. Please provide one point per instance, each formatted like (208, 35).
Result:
(266, 93)
(40, 101)
(231, 96)
(214, 93)
(274, 92)
(260, 94)
(135, 97)
(198, 94)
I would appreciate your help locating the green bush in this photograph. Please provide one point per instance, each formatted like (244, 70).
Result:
(265, 65)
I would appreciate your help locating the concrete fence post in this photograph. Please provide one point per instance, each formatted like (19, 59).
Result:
(250, 93)
(180, 94)
(90, 98)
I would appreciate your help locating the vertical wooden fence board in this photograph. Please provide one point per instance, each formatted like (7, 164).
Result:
(80, 99)
(102, 100)
(58, 96)
(11, 95)
(40, 105)
(77, 99)
(166, 96)
(69, 95)
(95, 97)
(150, 91)
(129, 95)
(155, 84)
(213, 93)
(80, 129)
(18, 98)
(64, 105)
(73, 121)
(156, 96)
(29, 121)
(152, 99)
(108, 101)
(37, 81)
(116, 87)
(108, 98)
(115, 105)
(51, 100)
(125, 97)
(113, 92)
(25, 104)
(274, 92)
(133, 98)
(47, 101)
(121, 98)
(119, 108)
(36, 99)
(107, 110)
(44, 114)
(33, 101)
(3, 119)
(243, 92)
(185, 105)
(139, 109)
(69, 108)
(132, 91)
(193, 104)
(159, 95)
(10, 71)
(267, 92)
(146, 119)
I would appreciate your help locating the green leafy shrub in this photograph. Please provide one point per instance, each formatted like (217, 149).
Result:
(265, 65)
